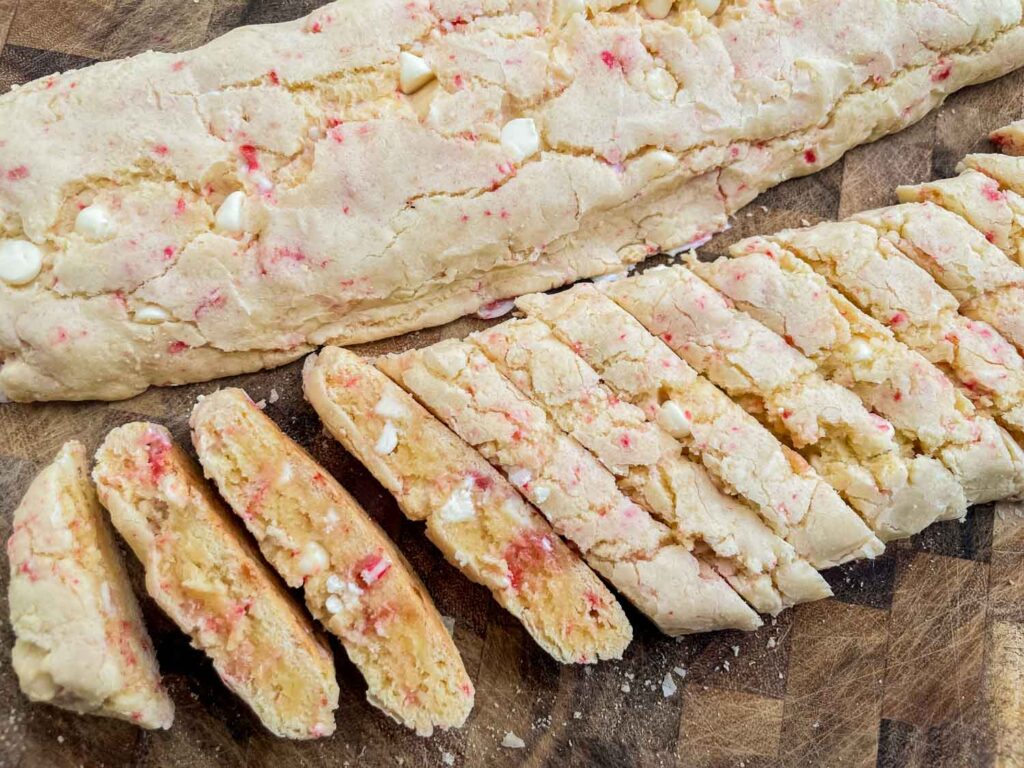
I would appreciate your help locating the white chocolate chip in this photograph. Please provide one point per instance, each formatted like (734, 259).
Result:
(674, 420)
(313, 559)
(388, 440)
(657, 9)
(708, 7)
(520, 139)
(150, 314)
(519, 477)
(94, 223)
(414, 72)
(20, 261)
(660, 84)
(230, 214)
(541, 493)
(860, 350)
(333, 604)
(390, 407)
(459, 506)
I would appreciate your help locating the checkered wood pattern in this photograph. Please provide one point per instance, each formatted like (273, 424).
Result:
(917, 661)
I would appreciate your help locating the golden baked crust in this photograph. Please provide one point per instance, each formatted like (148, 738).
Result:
(79, 639)
(472, 513)
(202, 571)
(355, 580)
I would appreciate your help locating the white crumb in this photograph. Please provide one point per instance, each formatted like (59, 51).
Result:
(449, 624)
(668, 686)
(511, 741)
(274, 396)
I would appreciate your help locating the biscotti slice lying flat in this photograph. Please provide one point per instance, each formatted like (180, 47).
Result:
(79, 639)
(355, 580)
(472, 513)
(1010, 138)
(650, 467)
(871, 271)
(852, 349)
(384, 165)
(852, 448)
(204, 574)
(735, 448)
(618, 538)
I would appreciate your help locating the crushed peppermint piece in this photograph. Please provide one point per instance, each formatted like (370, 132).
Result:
(496, 309)
(388, 440)
(511, 741)
(668, 686)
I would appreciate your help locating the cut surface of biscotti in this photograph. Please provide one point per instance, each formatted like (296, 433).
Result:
(543, 142)
(472, 513)
(206, 576)
(1007, 170)
(871, 271)
(651, 468)
(617, 537)
(79, 641)
(852, 448)
(855, 351)
(356, 581)
(736, 449)
(1010, 138)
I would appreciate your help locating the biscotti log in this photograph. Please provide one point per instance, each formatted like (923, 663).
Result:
(472, 513)
(385, 165)
(204, 574)
(79, 639)
(355, 580)
(650, 467)
(619, 539)
(736, 449)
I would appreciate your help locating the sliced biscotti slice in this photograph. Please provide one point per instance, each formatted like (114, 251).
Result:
(854, 350)
(202, 571)
(1010, 138)
(735, 448)
(1007, 170)
(651, 468)
(998, 214)
(356, 582)
(79, 640)
(959, 258)
(875, 275)
(472, 513)
(618, 538)
(852, 448)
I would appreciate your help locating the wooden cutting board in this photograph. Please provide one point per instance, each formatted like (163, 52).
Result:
(917, 661)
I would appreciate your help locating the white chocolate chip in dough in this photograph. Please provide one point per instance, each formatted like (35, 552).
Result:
(541, 493)
(520, 139)
(414, 72)
(674, 420)
(459, 506)
(151, 314)
(657, 9)
(94, 223)
(334, 605)
(860, 350)
(230, 215)
(20, 261)
(390, 407)
(520, 477)
(313, 559)
(660, 84)
(708, 7)
(388, 440)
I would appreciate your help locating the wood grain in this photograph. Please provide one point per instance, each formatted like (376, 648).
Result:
(917, 661)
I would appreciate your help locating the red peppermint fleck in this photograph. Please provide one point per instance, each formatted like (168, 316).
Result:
(457, 81)
(610, 59)
(256, 498)
(60, 335)
(990, 236)
(26, 569)
(177, 66)
(942, 71)
(897, 395)
(177, 346)
(272, 74)
(372, 569)
(625, 440)
(482, 482)
(17, 174)
(530, 552)
(333, 122)
(991, 191)
(157, 447)
(251, 156)
(810, 157)
(898, 318)
(161, 149)
(317, 28)
(213, 300)
(179, 207)
(169, 252)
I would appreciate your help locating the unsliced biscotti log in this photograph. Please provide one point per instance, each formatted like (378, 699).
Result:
(852, 448)
(384, 165)
(1010, 138)
(617, 537)
(997, 213)
(205, 575)
(651, 468)
(355, 580)
(472, 513)
(988, 285)
(735, 448)
(79, 640)
(872, 272)
(854, 350)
